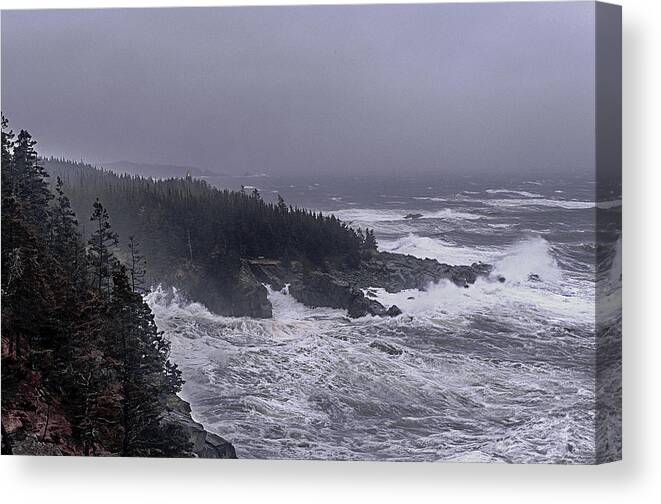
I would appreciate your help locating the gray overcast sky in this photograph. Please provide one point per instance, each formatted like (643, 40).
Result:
(377, 89)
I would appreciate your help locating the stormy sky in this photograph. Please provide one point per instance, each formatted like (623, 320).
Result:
(373, 89)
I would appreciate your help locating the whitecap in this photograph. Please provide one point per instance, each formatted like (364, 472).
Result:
(512, 191)
(540, 202)
(429, 198)
(425, 247)
(372, 215)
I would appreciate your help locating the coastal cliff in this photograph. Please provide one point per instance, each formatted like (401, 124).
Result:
(34, 423)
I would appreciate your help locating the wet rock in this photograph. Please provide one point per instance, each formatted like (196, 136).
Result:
(217, 447)
(393, 311)
(244, 297)
(413, 216)
(271, 273)
(463, 275)
(397, 272)
(386, 347)
(250, 297)
(204, 444)
(322, 289)
(361, 306)
(533, 277)
(341, 287)
(481, 269)
(501, 279)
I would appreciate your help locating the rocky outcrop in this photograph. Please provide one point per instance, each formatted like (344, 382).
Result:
(394, 311)
(243, 296)
(204, 443)
(274, 273)
(397, 272)
(249, 296)
(361, 306)
(336, 286)
(323, 289)
(343, 288)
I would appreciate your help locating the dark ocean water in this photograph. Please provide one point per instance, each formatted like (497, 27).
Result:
(496, 372)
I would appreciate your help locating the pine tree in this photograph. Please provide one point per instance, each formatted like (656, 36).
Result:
(68, 276)
(370, 240)
(136, 265)
(66, 240)
(361, 237)
(282, 206)
(101, 259)
(30, 181)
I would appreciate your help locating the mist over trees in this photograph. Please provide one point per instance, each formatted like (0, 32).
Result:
(197, 235)
(172, 216)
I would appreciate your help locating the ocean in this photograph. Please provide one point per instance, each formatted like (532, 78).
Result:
(498, 372)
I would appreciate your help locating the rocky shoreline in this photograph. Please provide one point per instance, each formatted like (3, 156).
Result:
(330, 286)
(340, 288)
(347, 288)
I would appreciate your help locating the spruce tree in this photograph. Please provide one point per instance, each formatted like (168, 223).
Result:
(30, 181)
(370, 240)
(136, 266)
(101, 259)
(282, 206)
(67, 247)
